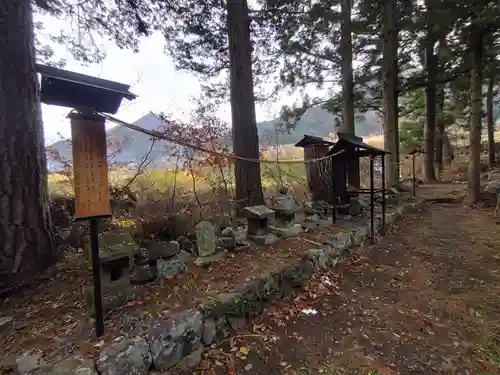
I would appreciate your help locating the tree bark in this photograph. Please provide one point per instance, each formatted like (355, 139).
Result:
(389, 92)
(430, 94)
(348, 125)
(439, 131)
(490, 121)
(394, 36)
(473, 188)
(26, 231)
(244, 126)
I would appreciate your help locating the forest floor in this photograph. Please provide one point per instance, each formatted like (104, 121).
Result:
(424, 300)
(53, 318)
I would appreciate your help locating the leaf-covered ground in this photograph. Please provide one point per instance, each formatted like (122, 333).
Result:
(425, 300)
(52, 317)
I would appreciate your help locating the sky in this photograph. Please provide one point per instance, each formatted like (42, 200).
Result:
(153, 78)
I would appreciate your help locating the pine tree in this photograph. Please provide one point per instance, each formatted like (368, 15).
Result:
(26, 234)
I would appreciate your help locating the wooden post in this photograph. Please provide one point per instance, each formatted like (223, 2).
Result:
(382, 157)
(414, 178)
(372, 202)
(90, 169)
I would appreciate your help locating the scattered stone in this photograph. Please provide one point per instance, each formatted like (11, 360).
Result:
(173, 266)
(322, 206)
(318, 257)
(221, 222)
(355, 206)
(313, 218)
(222, 328)
(114, 295)
(169, 267)
(141, 256)
(163, 250)
(191, 236)
(208, 260)
(228, 239)
(170, 340)
(288, 231)
(184, 257)
(268, 239)
(237, 323)
(248, 367)
(72, 366)
(144, 273)
(243, 245)
(205, 239)
(209, 331)
(309, 209)
(227, 243)
(191, 362)
(185, 244)
(8, 365)
(174, 247)
(364, 201)
(228, 232)
(4, 320)
(340, 241)
(130, 356)
(29, 361)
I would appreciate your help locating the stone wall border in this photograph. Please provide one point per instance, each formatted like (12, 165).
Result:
(178, 342)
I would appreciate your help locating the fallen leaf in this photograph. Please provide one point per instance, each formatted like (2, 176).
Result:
(244, 350)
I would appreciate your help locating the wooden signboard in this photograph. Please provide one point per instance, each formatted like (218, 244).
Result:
(90, 167)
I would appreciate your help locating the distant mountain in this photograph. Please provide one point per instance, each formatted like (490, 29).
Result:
(315, 121)
(131, 146)
(134, 146)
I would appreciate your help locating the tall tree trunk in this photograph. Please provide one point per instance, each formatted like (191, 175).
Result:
(26, 231)
(348, 125)
(443, 56)
(389, 95)
(473, 188)
(439, 131)
(394, 36)
(490, 120)
(245, 137)
(430, 94)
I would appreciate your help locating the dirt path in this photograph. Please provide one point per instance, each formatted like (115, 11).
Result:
(425, 300)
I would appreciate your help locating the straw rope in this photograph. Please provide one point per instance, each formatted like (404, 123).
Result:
(163, 136)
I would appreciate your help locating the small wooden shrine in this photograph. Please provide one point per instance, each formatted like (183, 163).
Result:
(348, 148)
(318, 173)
